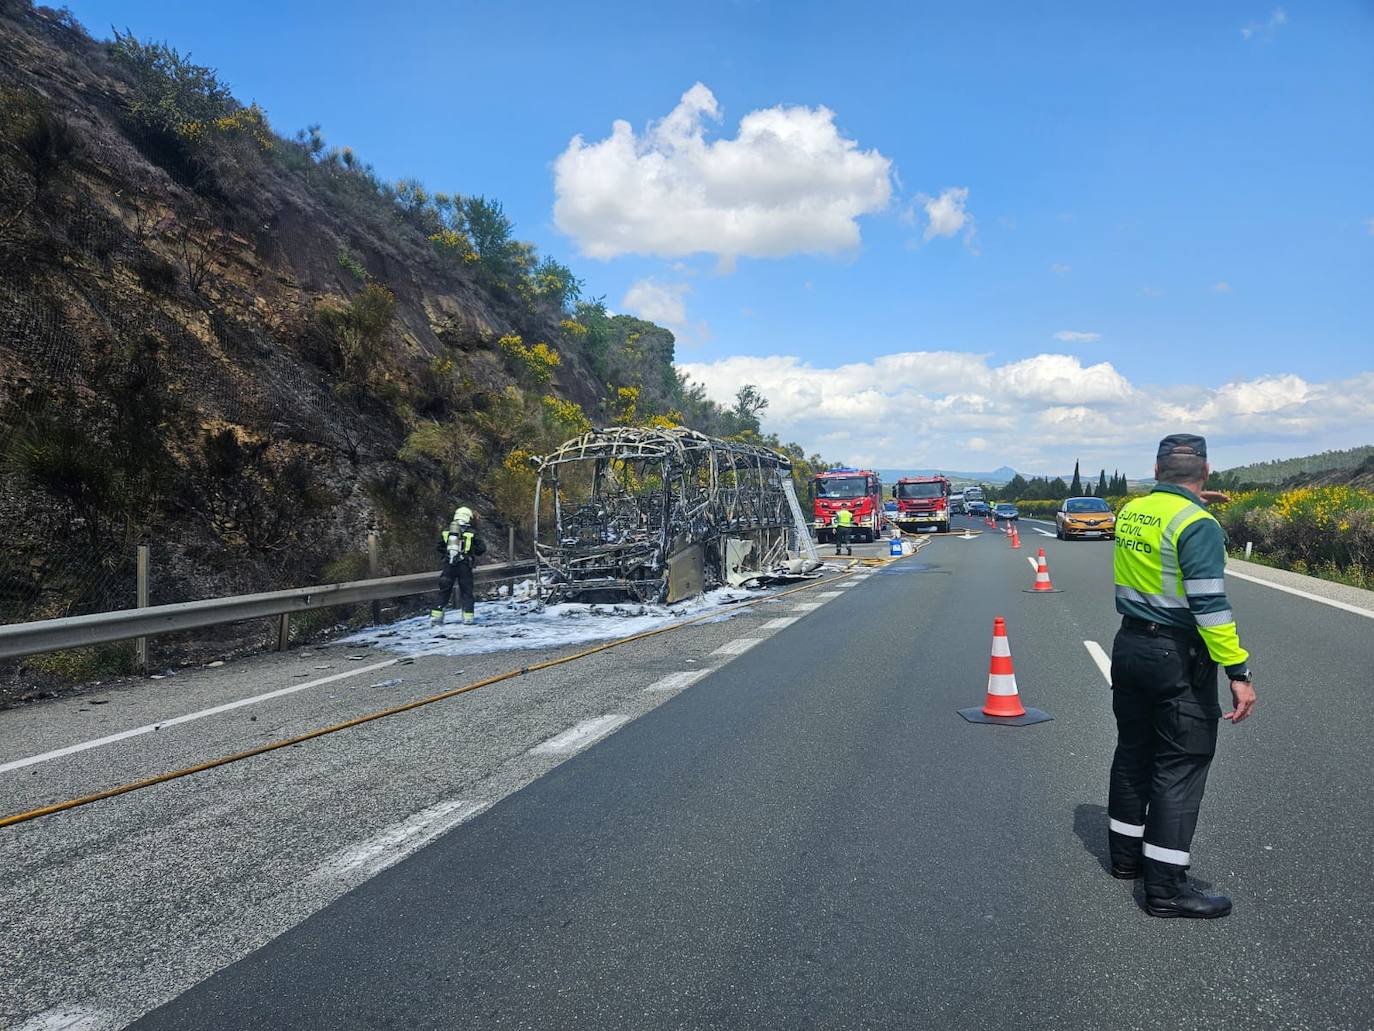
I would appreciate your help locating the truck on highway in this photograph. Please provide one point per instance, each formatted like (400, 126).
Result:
(923, 501)
(858, 490)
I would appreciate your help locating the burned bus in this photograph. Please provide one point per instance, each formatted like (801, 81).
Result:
(662, 514)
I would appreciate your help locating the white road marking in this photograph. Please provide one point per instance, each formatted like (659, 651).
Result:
(1045, 533)
(190, 717)
(807, 606)
(779, 623)
(1104, 662)
(738, 646)
(829, 594)
(1301, 594)
(677, 681)
(69, 1017)
(1034, 564)
(393, 844)
(580, 735)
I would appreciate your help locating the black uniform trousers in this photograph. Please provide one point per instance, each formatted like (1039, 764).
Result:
(1164, 697)
(457, 570)
(842, 538)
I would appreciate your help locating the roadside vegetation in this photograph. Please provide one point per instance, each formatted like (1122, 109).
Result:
(1321, 531)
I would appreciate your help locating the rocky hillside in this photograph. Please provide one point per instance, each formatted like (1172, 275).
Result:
(248, 351)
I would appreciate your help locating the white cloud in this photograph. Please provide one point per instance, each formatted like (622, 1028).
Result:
(1060, 268)
(1264, 30)
(946, 214)
(1070, 336)
(788, 182)
(952, 408)
(664, 303)
(1221, 287)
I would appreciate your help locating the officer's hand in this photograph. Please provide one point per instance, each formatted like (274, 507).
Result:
(1243, 695)
(1214, 497)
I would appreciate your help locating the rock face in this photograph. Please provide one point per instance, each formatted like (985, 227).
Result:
(241, 349)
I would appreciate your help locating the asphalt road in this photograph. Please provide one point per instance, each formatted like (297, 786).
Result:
(807, 835)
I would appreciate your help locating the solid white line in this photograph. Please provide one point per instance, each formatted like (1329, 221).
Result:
(779, 623)
(738, 646)
(677, 681)
(1104, 662)
(190, 717)
(396, 842)
(1034, 564)
(807, 606)
(580, 735)
(68, 1017)
(1040, 531)
(1301, 594)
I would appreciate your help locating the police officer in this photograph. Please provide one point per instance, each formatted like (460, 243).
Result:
(844, 526)
(1176, 628)
(459, 545)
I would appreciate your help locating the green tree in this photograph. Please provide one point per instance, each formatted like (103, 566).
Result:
(1102, 484)
(490, 230)
(1076, 487)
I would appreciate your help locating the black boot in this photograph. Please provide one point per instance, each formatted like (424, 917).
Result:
(1168, 894)
(1125, 853)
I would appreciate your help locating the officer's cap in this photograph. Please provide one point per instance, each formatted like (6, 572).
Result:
(1182, 444)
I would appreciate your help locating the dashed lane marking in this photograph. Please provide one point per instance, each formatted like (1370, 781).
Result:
(393, 844)
(580, 735)
(190, 717)
(738, 646)
(779, 623)
(829, 594)
(68, 1017)
(677, 681)
(807, 606)
(1045, 533)
(1346, 606)
(1104, 662)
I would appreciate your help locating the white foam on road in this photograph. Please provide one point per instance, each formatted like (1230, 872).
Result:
(69, 1017)
(677, 681)
(189, 717)
(396, 842)
(1103, 660)
(779, 623)
(511, 625)
(738, 646)
(580, 736)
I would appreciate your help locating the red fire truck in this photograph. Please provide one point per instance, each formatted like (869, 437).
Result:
(858, 490)
(922, 501)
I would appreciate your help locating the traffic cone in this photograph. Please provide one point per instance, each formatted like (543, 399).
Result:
(1042, 578)
(1003, 703)
(1015, 539)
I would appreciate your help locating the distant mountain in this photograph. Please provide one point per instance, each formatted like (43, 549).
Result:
(996, 476)
(1284, 469)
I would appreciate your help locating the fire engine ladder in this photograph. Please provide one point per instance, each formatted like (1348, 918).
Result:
(805, 546)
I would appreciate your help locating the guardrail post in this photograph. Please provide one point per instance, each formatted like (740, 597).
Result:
(283, 631)
(373, 572)
(141, 645)
(1248, 546)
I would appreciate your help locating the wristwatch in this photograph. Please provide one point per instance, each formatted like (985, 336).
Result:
(1243, 675)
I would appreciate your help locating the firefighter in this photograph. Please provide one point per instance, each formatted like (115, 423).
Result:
(1176, 628)
(459, 545)
(844, 526)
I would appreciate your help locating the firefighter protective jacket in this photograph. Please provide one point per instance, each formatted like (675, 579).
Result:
(1170, 563)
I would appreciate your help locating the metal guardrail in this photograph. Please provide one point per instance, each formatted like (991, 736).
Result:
(50, 635)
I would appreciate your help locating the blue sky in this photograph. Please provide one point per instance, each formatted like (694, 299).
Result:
(1182, 189)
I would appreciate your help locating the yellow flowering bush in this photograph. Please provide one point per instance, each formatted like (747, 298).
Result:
(535, 364)
(565, 418)
(1324, 530)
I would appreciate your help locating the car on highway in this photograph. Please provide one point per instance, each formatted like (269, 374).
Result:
(977, 508)
(1084, 517)
(1005, 512)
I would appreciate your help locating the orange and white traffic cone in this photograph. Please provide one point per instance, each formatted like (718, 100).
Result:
(1042, 577)
(1003, 703)
(1015, 539)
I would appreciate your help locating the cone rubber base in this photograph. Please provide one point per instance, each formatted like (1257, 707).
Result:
(1032, 590)
(976, 715)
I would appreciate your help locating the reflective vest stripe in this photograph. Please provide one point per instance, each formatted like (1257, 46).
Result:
(1168, 546)
(1212, 619)
(1194, 587)
(1159, 601)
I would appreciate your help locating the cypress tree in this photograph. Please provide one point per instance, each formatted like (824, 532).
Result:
(1076, 487)
(1102, 484)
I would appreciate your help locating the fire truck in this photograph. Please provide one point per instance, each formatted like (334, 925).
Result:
(858, 490)
(923, 501)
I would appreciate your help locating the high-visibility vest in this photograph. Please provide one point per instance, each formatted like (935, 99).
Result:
(845, 517)
(1170, 565)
